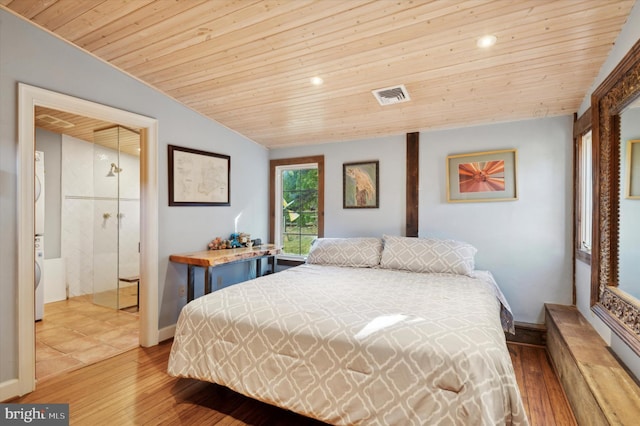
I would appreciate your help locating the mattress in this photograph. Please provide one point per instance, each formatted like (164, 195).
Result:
(358, 346)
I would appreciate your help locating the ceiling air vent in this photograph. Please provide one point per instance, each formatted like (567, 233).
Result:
(391, 95)
(50, 119)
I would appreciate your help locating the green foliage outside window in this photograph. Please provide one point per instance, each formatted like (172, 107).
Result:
(299, 210)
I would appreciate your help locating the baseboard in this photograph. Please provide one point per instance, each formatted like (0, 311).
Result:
(9, 389)
(530, 334)
(166, 333)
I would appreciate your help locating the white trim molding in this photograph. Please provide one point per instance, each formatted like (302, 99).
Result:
(28, 98)
(167, 333)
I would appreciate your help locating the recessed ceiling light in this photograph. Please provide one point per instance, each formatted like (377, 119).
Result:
(487, 41)
(316, 81)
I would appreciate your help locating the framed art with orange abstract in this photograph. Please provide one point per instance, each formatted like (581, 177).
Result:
(482, 176)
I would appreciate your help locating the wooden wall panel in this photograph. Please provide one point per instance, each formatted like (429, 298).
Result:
(413, 183)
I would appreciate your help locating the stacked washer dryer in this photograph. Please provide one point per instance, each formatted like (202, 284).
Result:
(39, 237)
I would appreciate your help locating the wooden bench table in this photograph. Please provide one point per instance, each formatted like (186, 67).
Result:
(208, 259)
(599, 389)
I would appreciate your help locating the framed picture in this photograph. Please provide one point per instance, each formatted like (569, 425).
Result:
(360, 185)
(198, 178)
(633, 170)
(482, 176)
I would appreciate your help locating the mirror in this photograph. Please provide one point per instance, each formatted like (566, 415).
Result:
(613, 110)
(629, 249)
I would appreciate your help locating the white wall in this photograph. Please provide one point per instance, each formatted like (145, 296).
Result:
(34, 57)
(339, 222)
(629, 35)
(525, 243)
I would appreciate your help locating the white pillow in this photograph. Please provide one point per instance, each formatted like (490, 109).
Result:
(428, 255)
(354, 252)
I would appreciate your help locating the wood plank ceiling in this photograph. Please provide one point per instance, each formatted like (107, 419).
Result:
(88, 129)
(247, 63)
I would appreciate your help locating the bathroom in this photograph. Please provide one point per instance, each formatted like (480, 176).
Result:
(92, 219)
(91, 245)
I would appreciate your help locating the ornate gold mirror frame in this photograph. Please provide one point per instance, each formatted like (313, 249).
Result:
(620, 312)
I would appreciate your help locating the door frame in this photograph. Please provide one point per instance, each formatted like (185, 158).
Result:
(28, 98)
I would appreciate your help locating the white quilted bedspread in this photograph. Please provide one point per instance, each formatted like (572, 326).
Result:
(357, 346)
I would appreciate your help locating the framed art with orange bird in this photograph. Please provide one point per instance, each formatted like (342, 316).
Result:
(482, 176)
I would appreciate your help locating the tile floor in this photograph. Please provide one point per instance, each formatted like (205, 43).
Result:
(75, 333)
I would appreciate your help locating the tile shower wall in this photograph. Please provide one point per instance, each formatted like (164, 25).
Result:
(92, 226)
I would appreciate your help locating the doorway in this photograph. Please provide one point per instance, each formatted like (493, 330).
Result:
(89, 224)
(29, 98)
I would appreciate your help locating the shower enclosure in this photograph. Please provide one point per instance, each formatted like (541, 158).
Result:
(116, 212)
(100, 217)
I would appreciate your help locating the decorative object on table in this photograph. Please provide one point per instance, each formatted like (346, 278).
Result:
(482, 176)
(234, 240)
(217, 244)
(360, 183)
(244, 238)
(198, 178)
(632, 190)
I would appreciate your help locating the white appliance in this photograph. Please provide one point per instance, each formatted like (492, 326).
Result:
(39, 276)
(39, 191)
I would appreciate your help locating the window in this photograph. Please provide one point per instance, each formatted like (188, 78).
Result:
(584, 188)
(297, 204)
(585, 192)
(297, 220)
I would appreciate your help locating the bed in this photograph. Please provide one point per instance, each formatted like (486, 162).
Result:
(360, 336)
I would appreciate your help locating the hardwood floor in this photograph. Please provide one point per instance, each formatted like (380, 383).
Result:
(542, 395)
(133, 389)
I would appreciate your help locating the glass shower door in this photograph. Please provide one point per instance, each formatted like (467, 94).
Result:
(116, 212)
(129, 220)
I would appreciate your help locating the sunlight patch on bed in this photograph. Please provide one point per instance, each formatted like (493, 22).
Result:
(382, 322)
